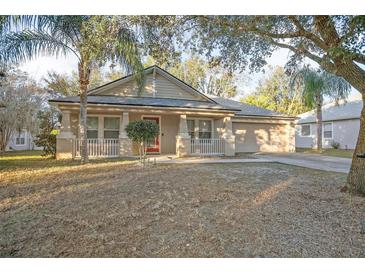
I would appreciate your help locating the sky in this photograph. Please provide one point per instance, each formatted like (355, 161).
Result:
(38, 68)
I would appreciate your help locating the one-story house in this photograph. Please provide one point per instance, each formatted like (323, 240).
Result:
(191, 123)
(341, 124)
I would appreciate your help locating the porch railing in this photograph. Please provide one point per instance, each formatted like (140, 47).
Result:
(99, 147)
(207, 146)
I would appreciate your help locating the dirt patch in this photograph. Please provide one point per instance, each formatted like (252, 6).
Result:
(205, 210)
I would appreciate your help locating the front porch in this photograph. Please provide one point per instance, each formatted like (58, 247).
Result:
(183, 134)
(109, 148)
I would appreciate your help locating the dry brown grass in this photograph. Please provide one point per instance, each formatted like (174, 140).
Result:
(113, 209)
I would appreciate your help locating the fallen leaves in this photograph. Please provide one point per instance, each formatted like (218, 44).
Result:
(209, 210)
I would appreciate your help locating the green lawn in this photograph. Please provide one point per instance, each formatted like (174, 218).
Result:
(345, 153)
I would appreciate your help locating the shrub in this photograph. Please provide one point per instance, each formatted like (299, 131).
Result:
(140, 132)
(335, 145)
(47, 132)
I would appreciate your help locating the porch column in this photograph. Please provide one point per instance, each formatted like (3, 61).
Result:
(228, 136)
(126, 148)
(183, 140)
(291, 136)
(66, 139)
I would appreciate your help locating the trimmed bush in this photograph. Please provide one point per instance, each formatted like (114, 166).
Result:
(140, 132)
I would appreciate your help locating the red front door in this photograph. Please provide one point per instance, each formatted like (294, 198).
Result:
(153, 146)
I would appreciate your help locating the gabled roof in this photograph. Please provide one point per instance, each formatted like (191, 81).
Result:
(148, 70)
(350, 109)
(208, 102)
(246, 109)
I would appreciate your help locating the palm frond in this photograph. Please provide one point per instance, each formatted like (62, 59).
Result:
(10, 23)
(319, 83)
(67, 28)
(126, 53)
(335, 87)
(16, 47)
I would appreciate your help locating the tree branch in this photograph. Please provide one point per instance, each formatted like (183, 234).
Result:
(327, 30)
(317, 40)
(302, 51)
(301, 32)
(296, 50)
(360, 58)
(352, 27)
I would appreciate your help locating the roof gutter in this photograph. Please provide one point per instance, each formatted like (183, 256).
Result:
(266, 117)
(57, 103)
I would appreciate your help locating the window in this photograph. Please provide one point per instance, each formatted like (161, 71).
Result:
(306, 130)
(327, 130)
(191, 128)
(205, 129)
(92, 127)
(20, 139)
(111, 127)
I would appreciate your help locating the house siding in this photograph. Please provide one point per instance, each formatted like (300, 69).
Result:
(344, 132)
(218, 128)
(129, 88)
(167, 89)
(164, 89)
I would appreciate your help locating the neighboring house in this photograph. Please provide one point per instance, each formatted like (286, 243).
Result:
(190, 122)
(22, 140)
(341, 124)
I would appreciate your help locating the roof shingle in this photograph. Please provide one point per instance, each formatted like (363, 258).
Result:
(332, 112)
(246, 109)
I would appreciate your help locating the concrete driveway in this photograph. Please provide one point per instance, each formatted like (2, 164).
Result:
(314, 161)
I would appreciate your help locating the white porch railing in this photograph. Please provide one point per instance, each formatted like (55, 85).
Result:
(99, 147)
(207, 146)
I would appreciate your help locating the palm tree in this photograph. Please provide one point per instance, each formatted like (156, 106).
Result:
(315, 85)
(94, 40)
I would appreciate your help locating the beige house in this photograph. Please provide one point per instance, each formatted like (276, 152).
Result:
(190, 122)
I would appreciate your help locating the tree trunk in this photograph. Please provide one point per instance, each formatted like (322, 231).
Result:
(3, 141)
(355, 75)
(319, 121)
(144, 153)
(356, 177)
(84, 73)
(141, 152)
(5, 135)
(3, 144)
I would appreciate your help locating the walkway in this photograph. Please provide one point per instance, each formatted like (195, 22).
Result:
(326, 163)
(172, 159)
